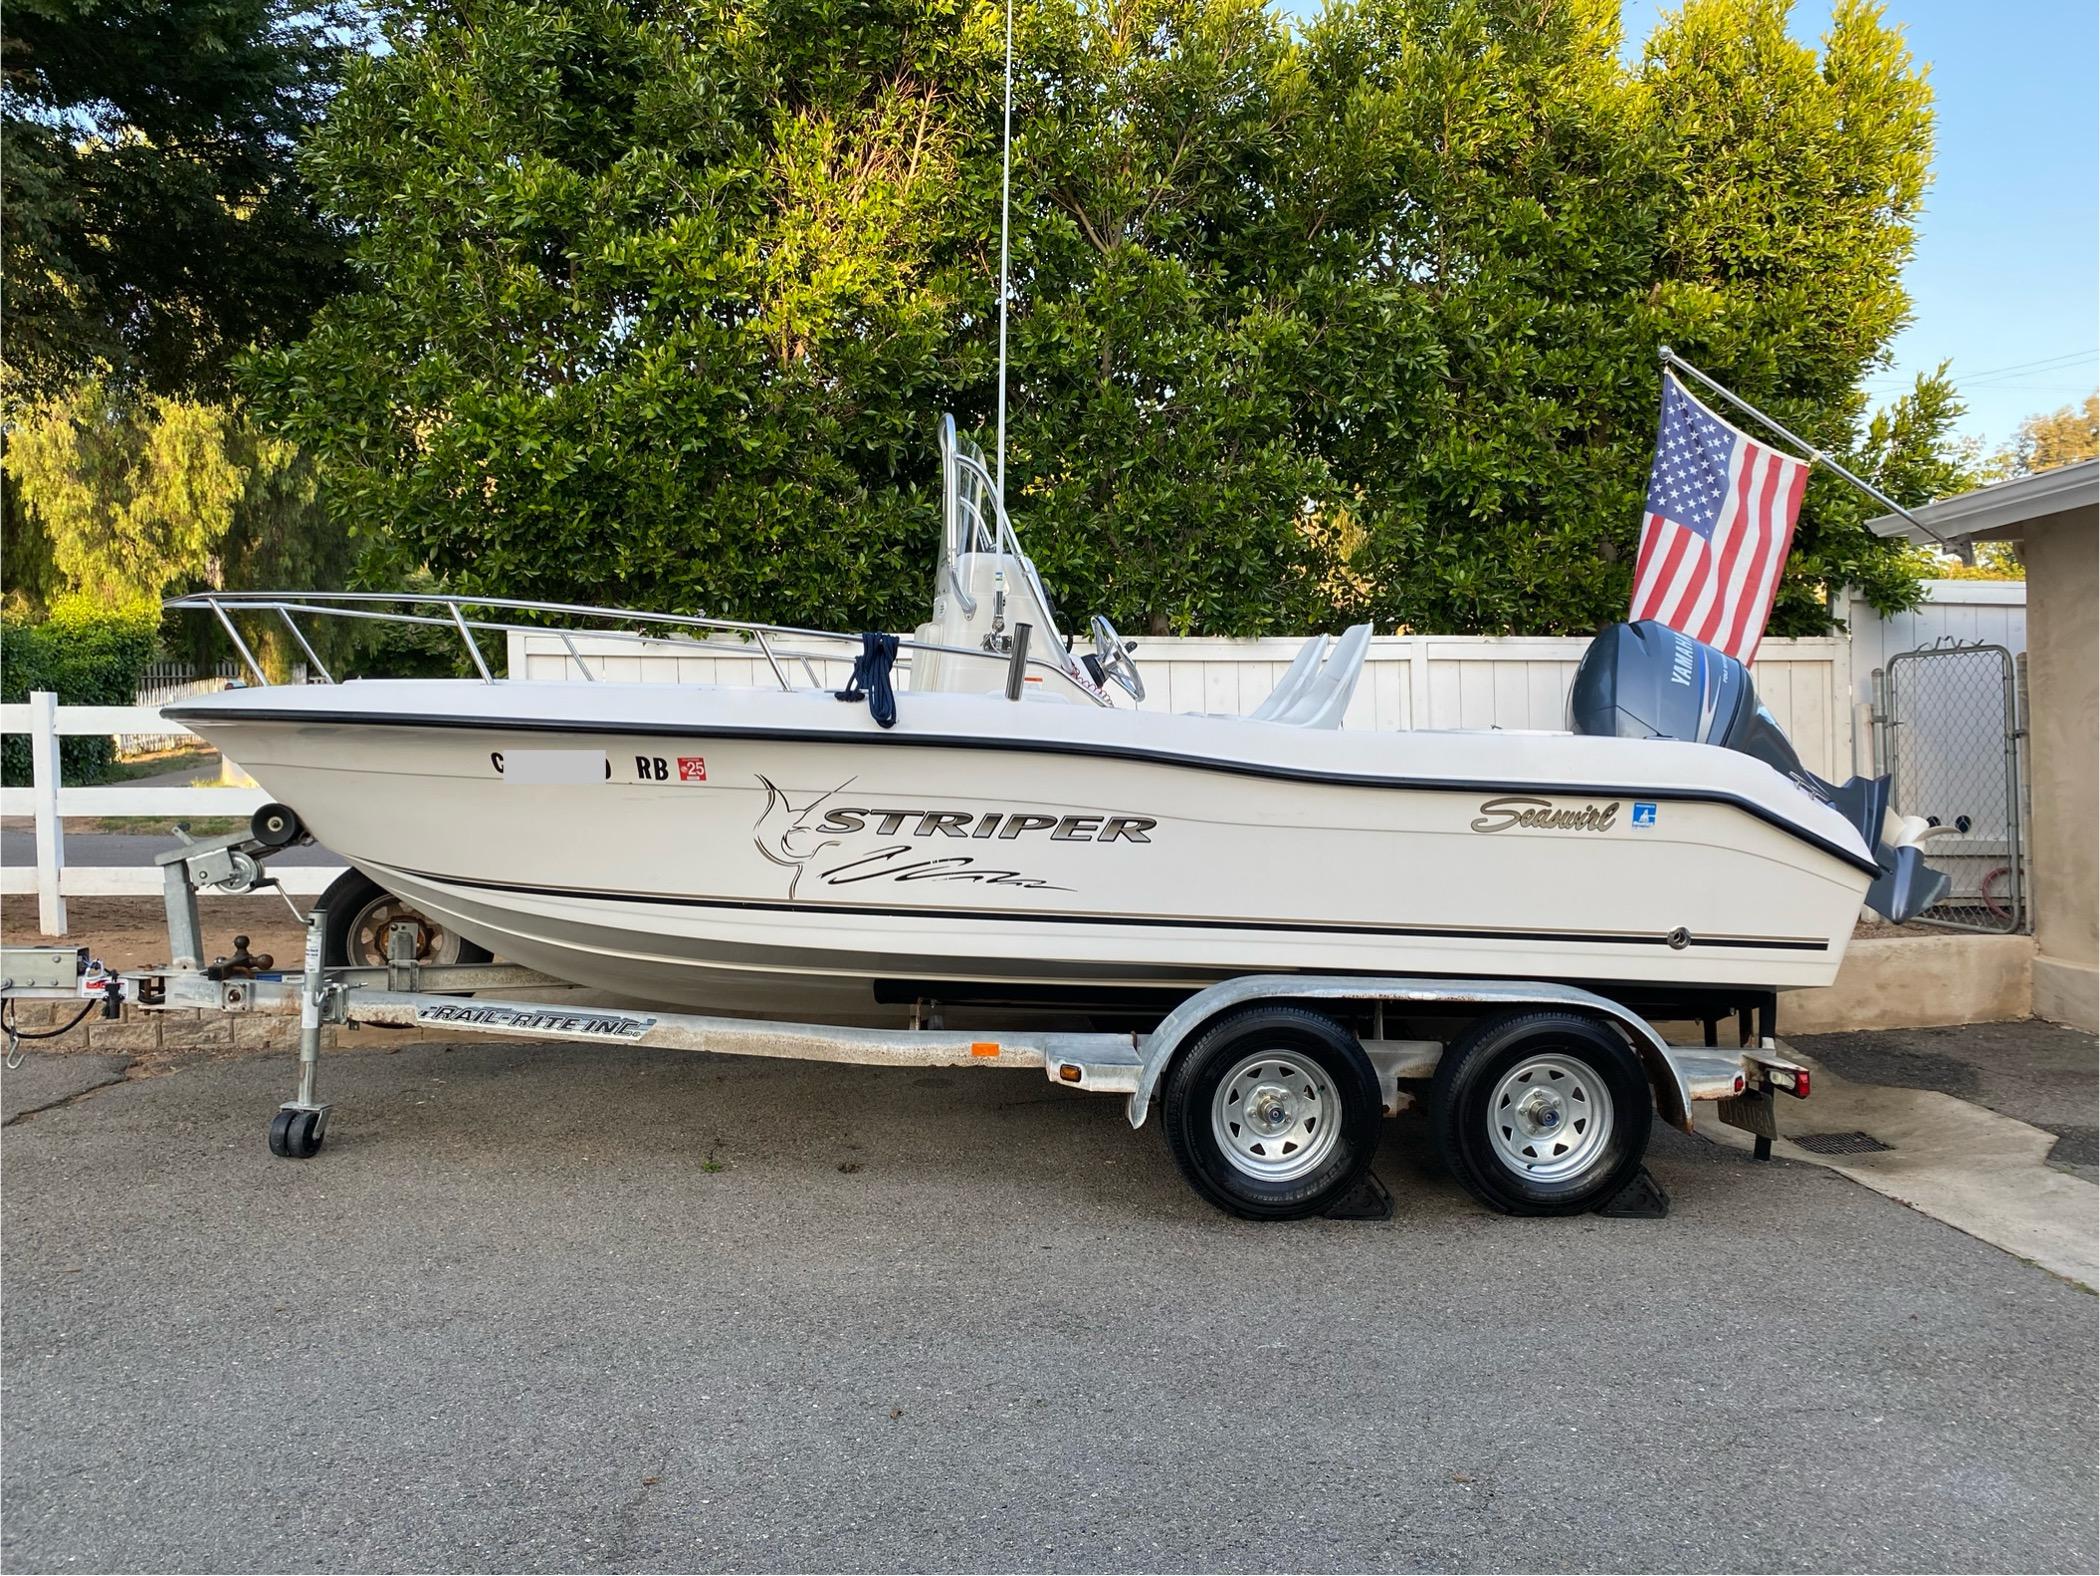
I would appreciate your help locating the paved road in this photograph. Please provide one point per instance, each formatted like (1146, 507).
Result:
(107, 850)
(537, 1308)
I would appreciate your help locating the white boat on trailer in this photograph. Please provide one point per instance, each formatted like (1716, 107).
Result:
(766, 849)
(1264, 899)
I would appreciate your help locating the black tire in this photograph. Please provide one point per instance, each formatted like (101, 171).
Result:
(1334, 1110)
(296, 1135)
(1580, 1151)
(350, 938)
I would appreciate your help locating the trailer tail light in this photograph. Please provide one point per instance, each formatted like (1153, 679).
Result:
(1794, 1080)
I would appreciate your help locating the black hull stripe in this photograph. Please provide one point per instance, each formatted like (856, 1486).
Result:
(979, 916)
(893, 739)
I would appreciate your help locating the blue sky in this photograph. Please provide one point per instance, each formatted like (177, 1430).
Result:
(2006, 280)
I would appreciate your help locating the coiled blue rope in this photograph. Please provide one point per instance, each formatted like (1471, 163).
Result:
(871, 678)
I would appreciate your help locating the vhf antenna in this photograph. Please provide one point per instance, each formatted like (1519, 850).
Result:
(1006, 197)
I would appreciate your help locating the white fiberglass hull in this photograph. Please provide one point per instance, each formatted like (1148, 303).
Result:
(750, 851)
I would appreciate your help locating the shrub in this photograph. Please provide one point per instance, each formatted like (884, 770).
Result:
(91, 654)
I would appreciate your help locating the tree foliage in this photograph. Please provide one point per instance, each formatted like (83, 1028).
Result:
(130, 495)
(657, 303)
(157, 226)
(156, 223)
(2060, 437)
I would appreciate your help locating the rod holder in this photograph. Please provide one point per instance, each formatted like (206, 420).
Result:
(1017, 661)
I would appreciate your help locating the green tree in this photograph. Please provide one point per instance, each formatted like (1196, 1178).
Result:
(658, 305)
(155, 226)
(2060, 437)
(129, 496)
(155, 220)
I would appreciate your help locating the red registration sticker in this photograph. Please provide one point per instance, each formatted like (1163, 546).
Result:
(692, 769)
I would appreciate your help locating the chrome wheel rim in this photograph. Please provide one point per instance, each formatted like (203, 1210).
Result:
(1276, 1115)
(1550, 1118)
(367, 941)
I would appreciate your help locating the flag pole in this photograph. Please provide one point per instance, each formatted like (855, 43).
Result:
(1670, 358)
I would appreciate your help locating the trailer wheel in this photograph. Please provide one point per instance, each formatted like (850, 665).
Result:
(1272, 1113)
(1541, 1113)
(296, 1134)
(359, 912)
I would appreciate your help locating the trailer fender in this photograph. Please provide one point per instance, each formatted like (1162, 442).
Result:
(1157, 1050)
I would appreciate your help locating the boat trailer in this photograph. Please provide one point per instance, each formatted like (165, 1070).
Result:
(1291, 1104)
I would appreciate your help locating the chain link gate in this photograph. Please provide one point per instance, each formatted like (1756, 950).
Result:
(1950, 740)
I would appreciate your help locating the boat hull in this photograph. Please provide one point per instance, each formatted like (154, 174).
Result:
(776, 854)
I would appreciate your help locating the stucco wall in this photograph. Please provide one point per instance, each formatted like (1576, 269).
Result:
(2063, 684)
(1915, 980)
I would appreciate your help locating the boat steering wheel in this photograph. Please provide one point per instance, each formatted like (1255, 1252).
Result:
(1116, 661)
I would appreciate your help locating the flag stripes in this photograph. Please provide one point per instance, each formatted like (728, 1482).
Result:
(1719, 523)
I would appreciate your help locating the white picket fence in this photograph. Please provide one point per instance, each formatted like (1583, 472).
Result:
(1816, 688)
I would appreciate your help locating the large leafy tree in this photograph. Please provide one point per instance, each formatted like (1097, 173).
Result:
(155, 219)
(156, 225)
(658, 303)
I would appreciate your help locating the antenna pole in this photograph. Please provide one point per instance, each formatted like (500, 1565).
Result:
(1006, 197)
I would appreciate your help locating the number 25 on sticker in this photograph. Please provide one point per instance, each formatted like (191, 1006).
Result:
(692, 769)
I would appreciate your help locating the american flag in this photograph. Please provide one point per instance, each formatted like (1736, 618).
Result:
(1719, 520)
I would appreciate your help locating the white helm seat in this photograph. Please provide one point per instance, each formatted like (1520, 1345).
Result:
(1327, 697)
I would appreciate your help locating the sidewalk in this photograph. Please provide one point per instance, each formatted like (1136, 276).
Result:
(1987, 1127)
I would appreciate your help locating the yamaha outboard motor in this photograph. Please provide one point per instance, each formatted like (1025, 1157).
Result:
(1648, 681)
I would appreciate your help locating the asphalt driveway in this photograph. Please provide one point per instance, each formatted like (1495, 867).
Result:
(537, 1308)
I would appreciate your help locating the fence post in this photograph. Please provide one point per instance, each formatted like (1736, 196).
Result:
(50, 830)
(1418, 682)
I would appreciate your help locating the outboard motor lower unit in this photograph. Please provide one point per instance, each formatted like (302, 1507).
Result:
(1649, 681)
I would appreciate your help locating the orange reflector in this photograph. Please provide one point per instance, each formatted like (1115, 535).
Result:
(984, 1047)
(1069, 1073)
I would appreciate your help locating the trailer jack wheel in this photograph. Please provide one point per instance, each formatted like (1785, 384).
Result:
(296, 1133)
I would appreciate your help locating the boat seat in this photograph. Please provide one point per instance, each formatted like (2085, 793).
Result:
(1328, 696)
(1300, 673)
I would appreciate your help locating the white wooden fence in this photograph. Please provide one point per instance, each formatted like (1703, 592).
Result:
(1975, 612)
(1409, 681)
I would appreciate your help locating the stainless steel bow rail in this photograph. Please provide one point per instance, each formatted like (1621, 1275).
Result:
(1364, 1019)
(782, 647)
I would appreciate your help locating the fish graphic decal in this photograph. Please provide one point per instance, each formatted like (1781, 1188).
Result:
(793, 835)
(783, 833)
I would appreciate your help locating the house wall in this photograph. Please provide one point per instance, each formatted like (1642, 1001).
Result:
(2063, 682)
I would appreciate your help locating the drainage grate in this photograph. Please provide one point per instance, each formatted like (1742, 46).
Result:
(1839, 1144)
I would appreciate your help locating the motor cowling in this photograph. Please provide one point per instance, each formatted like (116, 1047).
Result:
(1646, 680)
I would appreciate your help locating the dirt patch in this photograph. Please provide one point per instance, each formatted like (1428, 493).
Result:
(131, 932)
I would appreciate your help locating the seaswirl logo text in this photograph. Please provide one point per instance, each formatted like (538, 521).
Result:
(1543, 815)
(795, 836)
